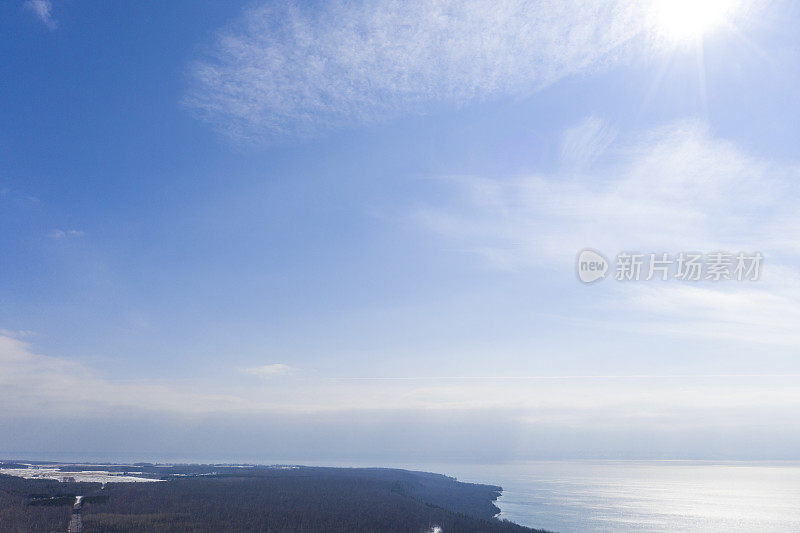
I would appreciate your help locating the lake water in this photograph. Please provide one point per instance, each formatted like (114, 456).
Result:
(645, 496)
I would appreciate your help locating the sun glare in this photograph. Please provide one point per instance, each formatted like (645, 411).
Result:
(688, 20)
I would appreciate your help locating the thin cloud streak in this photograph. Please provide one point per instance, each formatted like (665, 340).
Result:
(62, 233)
(267, 371)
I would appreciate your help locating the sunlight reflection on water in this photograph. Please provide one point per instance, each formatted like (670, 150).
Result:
(645, 496)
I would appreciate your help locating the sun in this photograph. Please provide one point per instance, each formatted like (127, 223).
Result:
(689, 20)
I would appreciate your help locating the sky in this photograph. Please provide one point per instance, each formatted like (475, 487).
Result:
(274, 231)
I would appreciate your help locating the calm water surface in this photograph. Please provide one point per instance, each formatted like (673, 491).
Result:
(645, 496)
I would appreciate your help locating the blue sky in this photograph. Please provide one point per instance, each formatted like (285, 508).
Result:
(357, 223)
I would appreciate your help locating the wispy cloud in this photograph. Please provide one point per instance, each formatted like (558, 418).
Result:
(64, 233)
(36, 383)
(765, 313)
(295, 69)
(583, 144)
(44, 10)
(267, 371)
(18, 197)
(677, 188)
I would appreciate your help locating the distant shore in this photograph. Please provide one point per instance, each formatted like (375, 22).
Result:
(127, 497)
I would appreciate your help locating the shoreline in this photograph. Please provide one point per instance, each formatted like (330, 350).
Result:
(116, 495)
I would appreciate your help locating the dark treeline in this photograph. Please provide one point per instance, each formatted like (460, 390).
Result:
(23, 504)
(262, 499)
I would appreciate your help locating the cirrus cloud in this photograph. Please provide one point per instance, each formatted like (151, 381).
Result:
(293, 69)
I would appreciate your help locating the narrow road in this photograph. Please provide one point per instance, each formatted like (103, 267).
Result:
(76, 523)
